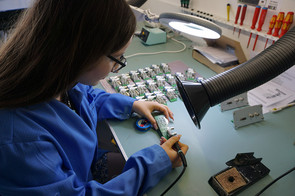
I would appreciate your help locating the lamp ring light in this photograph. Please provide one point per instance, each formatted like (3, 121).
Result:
(191, 25)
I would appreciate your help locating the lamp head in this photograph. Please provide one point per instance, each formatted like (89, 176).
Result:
(191, 25)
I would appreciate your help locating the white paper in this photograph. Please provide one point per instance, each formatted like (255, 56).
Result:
(216, 55)
(276, 93)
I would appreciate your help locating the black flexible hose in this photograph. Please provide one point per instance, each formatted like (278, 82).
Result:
(265, 66)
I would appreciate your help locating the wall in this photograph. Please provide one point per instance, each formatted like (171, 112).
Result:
(218, 9)
(13, 4)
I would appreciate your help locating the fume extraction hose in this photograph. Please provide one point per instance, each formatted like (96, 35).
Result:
(268, 64)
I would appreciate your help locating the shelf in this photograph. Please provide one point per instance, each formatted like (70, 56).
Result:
(223, 21)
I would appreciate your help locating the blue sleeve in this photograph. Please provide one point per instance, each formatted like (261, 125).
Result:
(45, 170)
(111, 105)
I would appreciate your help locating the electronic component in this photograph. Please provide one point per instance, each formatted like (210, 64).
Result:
(160, 82)
(180, 76)
(141, 88)
(162, 123)
(156, 69)
(134, 76)
(190, 74)
(235, 102)
(165, 68)
(171, 94)
(143, 74)
(171, 80)
(115, 82)
(248, 115)
(133, 91)
(160, 98)
(155, 79)
(242, 172)
(151, 85)
(150, 72)
(124, 91)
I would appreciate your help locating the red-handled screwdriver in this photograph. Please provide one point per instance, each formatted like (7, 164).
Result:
(254, 21)
(260, 23)
(242, 17)
(286, 23)
(270, 28)
(237, 16)
(278, 24)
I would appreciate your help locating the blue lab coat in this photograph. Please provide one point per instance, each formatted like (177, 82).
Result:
(48, 149)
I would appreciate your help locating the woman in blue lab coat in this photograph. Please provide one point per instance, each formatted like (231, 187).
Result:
(49, 111)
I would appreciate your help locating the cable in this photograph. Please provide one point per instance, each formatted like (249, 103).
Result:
(160, 52)
(267, 186)
(184, 163)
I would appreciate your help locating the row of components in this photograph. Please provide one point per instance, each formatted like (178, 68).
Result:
(150, 74)
(149, 92)
(155, 83)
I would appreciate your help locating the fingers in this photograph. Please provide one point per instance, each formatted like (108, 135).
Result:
(183, 147)
(166, 111)
(152, 120)
(162, 140)
(171, 141)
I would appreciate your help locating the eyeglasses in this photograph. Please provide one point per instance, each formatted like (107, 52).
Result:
(119, 64)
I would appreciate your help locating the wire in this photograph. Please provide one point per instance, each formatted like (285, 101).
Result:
(160, 52)
(271, 183)
(183, 159)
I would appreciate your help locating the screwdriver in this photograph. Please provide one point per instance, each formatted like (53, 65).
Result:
(237, 16)
(286, 23)
(254, 21)
(260, 23)
(228, 9)
(270, 28)
(278, 24)
(242, 17)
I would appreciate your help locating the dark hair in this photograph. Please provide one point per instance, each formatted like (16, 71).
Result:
(57, 40)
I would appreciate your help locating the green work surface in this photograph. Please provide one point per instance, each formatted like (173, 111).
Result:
(217, 141)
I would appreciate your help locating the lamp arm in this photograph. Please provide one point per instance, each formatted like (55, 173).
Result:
(265, 66)
(149, 19)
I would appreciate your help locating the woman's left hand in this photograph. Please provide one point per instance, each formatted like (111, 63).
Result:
(145, 109)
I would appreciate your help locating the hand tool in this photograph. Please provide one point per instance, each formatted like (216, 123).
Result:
(286, 23)
(237, 16)
(242, 17)
(260, 23)
(228, 9)
(270, 28)
(254, 21)
(278, 24)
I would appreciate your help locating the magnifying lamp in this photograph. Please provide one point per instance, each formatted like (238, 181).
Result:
(199, 97)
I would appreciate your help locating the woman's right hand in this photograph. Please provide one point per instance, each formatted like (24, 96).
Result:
(167, 145)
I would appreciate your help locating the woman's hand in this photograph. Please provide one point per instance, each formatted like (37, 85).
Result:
(145, 109)
(167, 145)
